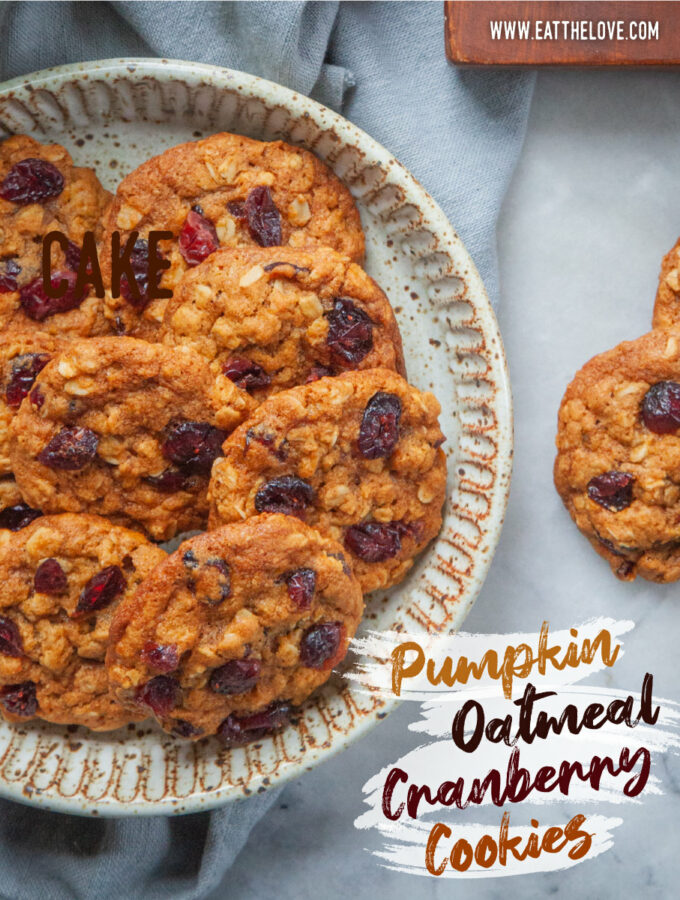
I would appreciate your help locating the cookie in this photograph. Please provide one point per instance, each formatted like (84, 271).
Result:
(61, 579)
(358, 457)
(618, 455)
(234, 628)
(667, 303)
(125, 429)
(273, 318)
(22, 356)
(42, 191)
(224, 190)
(15, 513)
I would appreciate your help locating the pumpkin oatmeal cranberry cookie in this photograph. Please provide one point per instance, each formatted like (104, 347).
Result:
(618, 455)
(125, 429)
(42, 191)
(61, 579)
(224, 190)
(358, 457)
(22, 356)
(234, 628)
(273, 318)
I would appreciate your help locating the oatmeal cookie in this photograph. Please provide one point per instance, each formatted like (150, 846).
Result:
(357, 456)
(235, 627)
(273, 318)
(61, 579)
(667, 303)
(22, 355)
(224, 190)
(125, 429)
(42, 191)
(618, 455)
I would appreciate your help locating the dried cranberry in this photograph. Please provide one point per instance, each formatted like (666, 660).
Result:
(264, 219)
(613, 490)
(10, 638)
(38, 306)
(194, 446)
(198, 238)
(350, 333)
(171, 480)
(19, 516)
(379, 431)
(289, 495)
(189, 559)
(237, 730)
(301, 587)
(50, 578)
(161, 657)
(661, 407)
(19, 699)
(246, 374)
(288, 265)
(185, 729)
(236, 677)
(237, 209)
(32, 181)
(320, 645)
(374, 541)
(70, 449)
(100, 590)
(8, 278)
(317, 372)
(267, 440)
(161, 695)
(72, 256)
(139, 263)
(25, 370)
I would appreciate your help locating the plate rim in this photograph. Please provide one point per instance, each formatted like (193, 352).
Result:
(169, 70)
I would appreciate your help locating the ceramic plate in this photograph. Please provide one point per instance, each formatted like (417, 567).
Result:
(114, 114)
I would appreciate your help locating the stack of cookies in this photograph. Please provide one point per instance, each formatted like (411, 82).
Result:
(262, 404)
(618, 445)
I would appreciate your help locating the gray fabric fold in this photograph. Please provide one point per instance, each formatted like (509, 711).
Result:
(460, 133)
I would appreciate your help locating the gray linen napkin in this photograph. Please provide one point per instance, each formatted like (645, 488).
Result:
(459, 132)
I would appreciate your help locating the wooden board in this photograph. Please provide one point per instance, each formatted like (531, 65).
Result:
(563, 33)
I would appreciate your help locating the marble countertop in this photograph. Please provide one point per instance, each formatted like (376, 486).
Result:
(593, 206)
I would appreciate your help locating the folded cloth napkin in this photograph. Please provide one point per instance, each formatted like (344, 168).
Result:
(460, 132)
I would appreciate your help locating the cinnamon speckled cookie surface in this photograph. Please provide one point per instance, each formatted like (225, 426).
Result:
(61, 579)
(358, 457)
(234, 628)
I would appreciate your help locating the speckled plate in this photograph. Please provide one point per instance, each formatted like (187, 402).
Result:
(114, 114)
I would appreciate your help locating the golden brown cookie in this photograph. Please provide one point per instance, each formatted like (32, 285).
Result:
(61, 579)
(224, 190)
(618, 455)
(273, 318)
(125, 429)
(358, 457)
(23, 354)
(234, 628)
(42, 191)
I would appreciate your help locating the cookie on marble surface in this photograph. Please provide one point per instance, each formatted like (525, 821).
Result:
(125, 429)
(274, 318)
(61, 579)
(235, 628)
(357, 456)
(223, 190)
(42, 191)
(618, 455)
